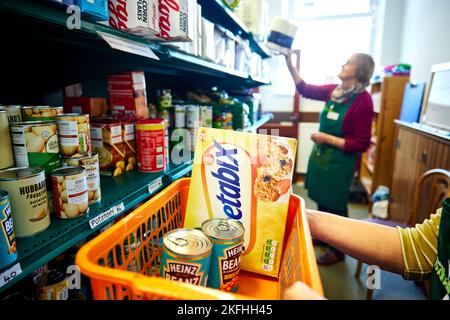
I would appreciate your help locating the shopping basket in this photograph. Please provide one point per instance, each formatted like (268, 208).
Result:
(123, 262)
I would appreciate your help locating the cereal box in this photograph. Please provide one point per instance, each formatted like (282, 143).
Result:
(246, 177)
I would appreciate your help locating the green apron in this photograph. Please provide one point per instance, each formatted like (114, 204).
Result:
(440, 279)
(330, 170)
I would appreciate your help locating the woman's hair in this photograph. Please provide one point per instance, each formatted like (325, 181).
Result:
(365, 68)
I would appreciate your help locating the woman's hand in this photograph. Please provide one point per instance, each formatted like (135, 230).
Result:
(300, 291)
(323, 138)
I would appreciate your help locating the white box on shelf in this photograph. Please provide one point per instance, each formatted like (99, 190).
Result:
(208, 40)
(137, 17)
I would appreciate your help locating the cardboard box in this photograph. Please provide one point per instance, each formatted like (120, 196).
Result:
(92, 106)
(96, 9)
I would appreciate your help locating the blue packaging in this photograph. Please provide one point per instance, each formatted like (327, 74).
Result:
(8, 251)
(96, 9)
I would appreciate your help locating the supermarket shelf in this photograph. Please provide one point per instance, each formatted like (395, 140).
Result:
(61, 56)
(215, 10)
(121, 194)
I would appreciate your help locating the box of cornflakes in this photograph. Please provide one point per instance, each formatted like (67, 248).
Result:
(246, 177)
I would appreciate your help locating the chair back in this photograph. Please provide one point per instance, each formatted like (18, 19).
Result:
(431, 189)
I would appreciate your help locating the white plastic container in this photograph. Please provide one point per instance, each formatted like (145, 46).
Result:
(282, 35)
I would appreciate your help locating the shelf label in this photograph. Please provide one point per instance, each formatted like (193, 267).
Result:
(10, 274)
(101, 218)
(127, 45)
(155, 185)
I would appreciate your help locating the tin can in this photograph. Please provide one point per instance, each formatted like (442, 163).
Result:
(6, 158)
(51, 285)
(74, 134)
(70, 192)
(186, 256)
(180, 116)
(8, 249)
(35, 144)
(28, 196)
(206, 116)
(14, 112)
(40, 113)
(150, 140)
(167, 114)
(227, 236)
(193, 138)
(91, 164)
(192, 117)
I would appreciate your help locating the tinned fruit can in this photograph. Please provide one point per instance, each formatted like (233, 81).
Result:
(51, 285)
(91, 164)
(8, 249)
(74, 134)
(35, 144)
(227, 236)
(192, 117)
(180, 116)
(70, 192)
(28, 196)
(6, 158)
(150, 140)
(186, 256)
(36, 113)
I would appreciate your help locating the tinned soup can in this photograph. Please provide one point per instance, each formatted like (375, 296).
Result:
(186, 256)
(227, 236)
(8, 249)
(150, 140)
(28, 195)
(35, 144)
(70, 192)
(91, 164)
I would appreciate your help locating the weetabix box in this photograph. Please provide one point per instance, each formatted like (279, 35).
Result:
(245, 177)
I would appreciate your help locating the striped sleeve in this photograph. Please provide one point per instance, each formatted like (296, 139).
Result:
(419, 248)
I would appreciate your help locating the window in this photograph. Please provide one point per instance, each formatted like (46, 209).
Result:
(329, 32)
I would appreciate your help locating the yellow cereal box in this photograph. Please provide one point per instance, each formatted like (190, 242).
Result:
(246, 177)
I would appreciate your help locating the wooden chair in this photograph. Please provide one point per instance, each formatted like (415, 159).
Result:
(432, 188)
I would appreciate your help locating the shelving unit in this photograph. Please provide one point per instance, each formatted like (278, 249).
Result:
(41, 55)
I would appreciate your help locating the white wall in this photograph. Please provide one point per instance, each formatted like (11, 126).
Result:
(426, 36)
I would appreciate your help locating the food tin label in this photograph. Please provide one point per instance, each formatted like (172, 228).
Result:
(180, 116)
(129, 132)
(28, 197)
(90, 163)
(70, 195)
(192, 117)
(8, 250)
(36, 145)
(46, 290)
(206, 116)
(74, 134)
(97, 137)
(151, 148)
(186, 256)
(14, 114)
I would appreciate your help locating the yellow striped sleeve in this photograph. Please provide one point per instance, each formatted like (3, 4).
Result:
(419, 248)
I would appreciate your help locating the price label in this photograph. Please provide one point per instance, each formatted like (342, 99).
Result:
(127, 45)
(10, 274)
(105, 216)
(155, 185)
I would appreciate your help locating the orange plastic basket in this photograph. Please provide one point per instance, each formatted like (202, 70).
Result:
(123, 262)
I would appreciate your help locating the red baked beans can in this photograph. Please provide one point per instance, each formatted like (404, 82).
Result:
(150, 145)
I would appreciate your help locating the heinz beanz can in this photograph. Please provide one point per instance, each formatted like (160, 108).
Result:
(28, 195)
(227, 236)
(186, 256)
(8, 250)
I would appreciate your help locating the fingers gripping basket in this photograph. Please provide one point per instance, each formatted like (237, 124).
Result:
(123, 262)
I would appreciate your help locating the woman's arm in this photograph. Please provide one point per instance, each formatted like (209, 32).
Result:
(368, 242)
(292, 70)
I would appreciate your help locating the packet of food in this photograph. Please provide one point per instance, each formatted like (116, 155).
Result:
(107, 141)
(246, 177)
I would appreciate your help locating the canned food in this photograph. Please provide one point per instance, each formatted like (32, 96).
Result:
(227, 236)
(206, 116)
(192, 117)
(6, 158)
(51, 285)
(186, 256)
(14, 112)
(129, 140)
(91, 164)
(41, 113)
(70, 192)
(150, 140)
(74, 134)
(28, 196)
(8, 249)
(180, 116)
(166, 114)
(35, 144)
(193, 140)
